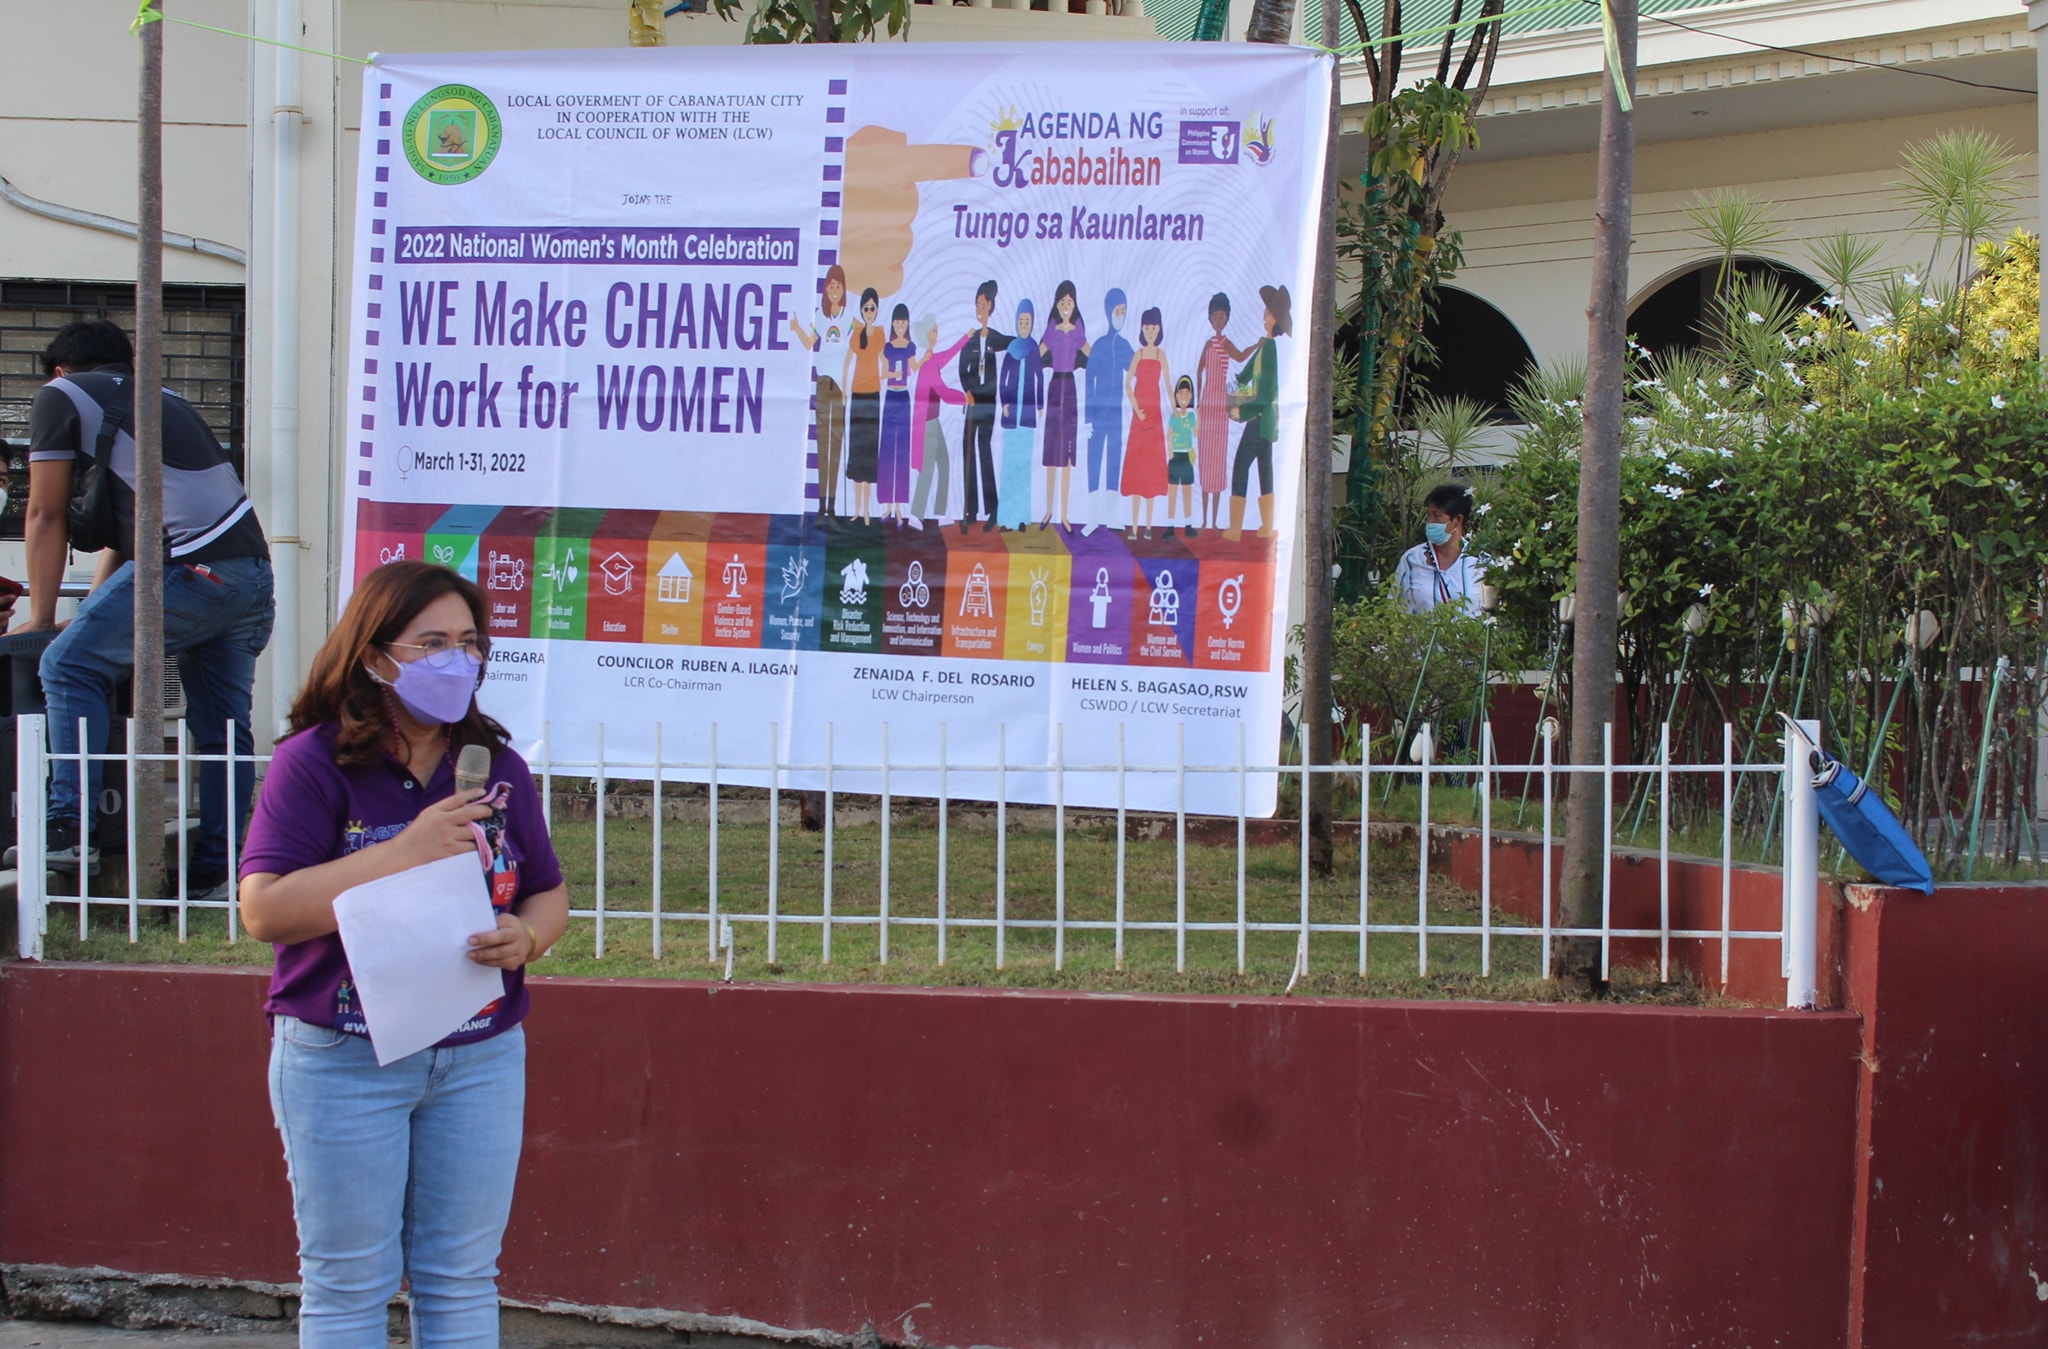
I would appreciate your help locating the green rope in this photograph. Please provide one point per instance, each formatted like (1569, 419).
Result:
(1612, 40)
(145, 15)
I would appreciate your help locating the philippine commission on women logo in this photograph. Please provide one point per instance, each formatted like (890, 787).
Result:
(452, 134)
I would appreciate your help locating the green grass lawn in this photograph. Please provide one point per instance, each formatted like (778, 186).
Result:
(1151, 962)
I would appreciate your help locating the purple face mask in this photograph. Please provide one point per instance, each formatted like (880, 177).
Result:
(437, 688)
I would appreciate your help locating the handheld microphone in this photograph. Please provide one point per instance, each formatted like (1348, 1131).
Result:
(472, 773)
(472, 768)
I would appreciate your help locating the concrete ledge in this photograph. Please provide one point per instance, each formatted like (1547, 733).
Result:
(265, 1313)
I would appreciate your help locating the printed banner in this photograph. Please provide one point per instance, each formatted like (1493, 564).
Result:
(852, 400)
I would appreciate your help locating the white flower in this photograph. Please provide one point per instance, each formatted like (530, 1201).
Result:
(1862, 364)
(1755, 317)
(1546, 526)
(1485, 507)
(1954, 380)
(1665, 489)
(1997, 401)
(1676, 471)
(1724, 381)
(1917, 390)
(1810, 407)
(1909, 278)
(1708, 588)
(1711, 487)
(1929, 302)
(1831, 302)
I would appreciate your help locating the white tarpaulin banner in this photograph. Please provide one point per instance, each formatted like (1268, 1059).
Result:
(808, 391)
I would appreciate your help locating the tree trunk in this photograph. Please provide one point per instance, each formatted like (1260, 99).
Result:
(1317, 549)
(821, 16)
(146, 789)
(1599, 581)
(1272, 21)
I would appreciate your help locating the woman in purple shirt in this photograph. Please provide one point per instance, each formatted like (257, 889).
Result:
(899, 367)
(1066, 350)
(407, 1169)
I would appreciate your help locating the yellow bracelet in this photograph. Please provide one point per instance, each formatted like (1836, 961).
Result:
(533, 951)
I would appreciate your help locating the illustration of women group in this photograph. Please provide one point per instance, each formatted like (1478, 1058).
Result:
(881, 387)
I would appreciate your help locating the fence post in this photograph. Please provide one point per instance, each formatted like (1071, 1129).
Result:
(1801, 871)
(31, 807)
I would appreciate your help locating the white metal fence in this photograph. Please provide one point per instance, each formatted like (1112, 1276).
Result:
(709, 906)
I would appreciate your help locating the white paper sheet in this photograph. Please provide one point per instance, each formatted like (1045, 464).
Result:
(407, 938)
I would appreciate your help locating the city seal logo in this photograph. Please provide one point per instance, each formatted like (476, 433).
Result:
(452, 134)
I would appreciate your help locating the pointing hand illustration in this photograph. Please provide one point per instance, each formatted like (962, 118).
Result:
(882, 173)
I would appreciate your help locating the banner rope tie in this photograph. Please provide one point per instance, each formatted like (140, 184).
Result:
(146, 15)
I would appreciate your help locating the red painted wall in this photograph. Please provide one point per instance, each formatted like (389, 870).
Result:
(1755, 904)
(1027, 1169)
(1953, 1137)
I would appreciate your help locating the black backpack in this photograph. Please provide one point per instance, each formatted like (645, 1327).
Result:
(91, 518)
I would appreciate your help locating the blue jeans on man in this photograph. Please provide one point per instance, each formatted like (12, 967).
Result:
(216, 623)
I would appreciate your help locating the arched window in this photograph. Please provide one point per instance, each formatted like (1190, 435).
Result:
(1479, 353)
(1672, 316)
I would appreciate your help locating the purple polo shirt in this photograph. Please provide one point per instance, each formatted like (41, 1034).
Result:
(312, 810)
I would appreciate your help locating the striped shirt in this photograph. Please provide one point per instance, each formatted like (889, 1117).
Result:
(207, 515)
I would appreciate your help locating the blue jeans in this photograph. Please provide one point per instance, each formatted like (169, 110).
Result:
(215, 628)
(405, 1169)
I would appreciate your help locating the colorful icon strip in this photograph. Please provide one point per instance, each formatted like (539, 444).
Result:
(799, 583)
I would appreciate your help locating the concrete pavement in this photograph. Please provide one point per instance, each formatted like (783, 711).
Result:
(86, 1335)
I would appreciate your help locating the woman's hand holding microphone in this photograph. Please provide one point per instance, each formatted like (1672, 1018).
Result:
(445, 829)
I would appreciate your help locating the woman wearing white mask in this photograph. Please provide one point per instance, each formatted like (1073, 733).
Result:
(1441, 569)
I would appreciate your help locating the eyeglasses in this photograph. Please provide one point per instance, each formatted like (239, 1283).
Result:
(436, 646)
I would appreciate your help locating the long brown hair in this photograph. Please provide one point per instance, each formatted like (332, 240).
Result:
(339, 688)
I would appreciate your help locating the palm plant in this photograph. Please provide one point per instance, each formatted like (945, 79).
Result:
(1735, 225)
(1549, 400)
(1962, 191)
(1755, 318)
(1448, 431)
(1847, 263)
